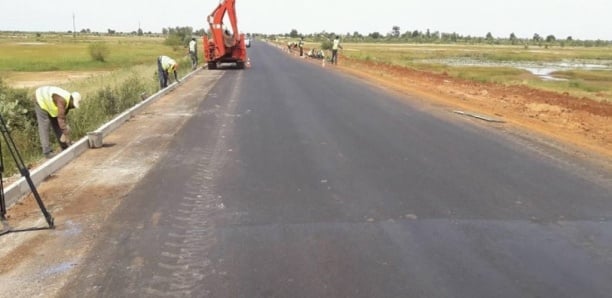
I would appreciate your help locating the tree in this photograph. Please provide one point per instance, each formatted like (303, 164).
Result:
(550, 38)
(536, 37)
(200, 32)
(395, 31)
(569, 38)
(178, 36)
(294, 33)
(111, 31)
(512, 38)
(374, 35)
(140, 33)
(489, 37)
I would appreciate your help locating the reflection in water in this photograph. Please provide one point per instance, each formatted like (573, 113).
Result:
(544, 70)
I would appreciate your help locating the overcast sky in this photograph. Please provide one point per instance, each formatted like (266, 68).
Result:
(585, 19)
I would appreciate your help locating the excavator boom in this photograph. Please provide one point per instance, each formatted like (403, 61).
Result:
(223, 45)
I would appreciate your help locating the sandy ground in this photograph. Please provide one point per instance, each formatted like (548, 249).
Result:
(36, 79)
(38, 264)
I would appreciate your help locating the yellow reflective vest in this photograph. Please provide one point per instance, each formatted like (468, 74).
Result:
(167, 63)
(44, 98)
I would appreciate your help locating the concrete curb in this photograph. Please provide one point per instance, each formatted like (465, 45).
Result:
(20, 188)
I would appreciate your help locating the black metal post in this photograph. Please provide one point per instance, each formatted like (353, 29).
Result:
(10, 144)
(2, 201)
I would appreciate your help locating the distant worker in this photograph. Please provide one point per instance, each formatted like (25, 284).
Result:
(165, 65)
(52, 106)
(301, 46)
(311, 53)
(193, 53)
(336, 45)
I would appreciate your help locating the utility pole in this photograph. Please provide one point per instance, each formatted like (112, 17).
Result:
(73, 26)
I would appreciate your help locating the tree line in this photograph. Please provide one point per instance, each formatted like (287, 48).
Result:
(427, 36)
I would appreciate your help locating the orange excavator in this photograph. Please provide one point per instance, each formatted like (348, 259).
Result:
(224, 46)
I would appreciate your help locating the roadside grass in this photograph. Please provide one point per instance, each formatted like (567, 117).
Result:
(130, 77)
(592, 84)
(481, 52)
(62, 54)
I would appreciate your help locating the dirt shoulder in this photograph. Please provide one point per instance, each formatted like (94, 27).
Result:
(39, 263)
(578, 122)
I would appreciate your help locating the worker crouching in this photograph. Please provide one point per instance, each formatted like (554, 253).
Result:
(52, 107)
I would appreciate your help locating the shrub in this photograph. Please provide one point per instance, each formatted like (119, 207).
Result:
(17, 111)
(99, 51)
(326, 45)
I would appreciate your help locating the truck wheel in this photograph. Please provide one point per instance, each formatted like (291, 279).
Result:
(212, 65)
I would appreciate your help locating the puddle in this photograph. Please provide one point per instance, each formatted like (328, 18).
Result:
(543, 70)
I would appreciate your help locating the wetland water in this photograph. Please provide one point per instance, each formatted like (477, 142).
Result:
(544, 70)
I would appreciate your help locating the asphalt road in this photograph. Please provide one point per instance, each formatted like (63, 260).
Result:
(293, 180)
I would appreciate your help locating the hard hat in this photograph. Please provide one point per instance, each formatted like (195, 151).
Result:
(76, 99)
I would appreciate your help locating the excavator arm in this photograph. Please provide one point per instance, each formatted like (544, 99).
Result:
(224, 45)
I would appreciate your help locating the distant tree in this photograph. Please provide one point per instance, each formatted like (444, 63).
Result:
(140, 33)
(416, 34)
(427, 33)
(489, 37)
(550, 38)
(111, 31)
(294, 33)
(178, 36)
(357, 35)
(536, 37)
(200, 32)
(569, 38)
(395, 31)
(375, 35)
(513, 38)
(164, 31)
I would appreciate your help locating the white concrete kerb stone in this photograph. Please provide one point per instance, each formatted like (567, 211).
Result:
(20, 188)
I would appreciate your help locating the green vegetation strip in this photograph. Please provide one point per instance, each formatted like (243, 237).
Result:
(131, 76)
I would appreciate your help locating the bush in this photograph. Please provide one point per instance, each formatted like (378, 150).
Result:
(326, 45)
(105, 104)
(17, 111)
(99, 51)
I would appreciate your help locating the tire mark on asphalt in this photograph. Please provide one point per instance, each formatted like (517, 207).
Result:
(183, 265)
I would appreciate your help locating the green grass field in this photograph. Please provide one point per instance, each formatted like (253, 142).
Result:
(55, 52)
(500, 64)
(110, 87)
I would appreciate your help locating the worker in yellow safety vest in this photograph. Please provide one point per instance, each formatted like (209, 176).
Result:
(52, 106)
(165, 65)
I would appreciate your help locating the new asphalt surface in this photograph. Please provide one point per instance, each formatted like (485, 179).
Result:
(293, 180)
